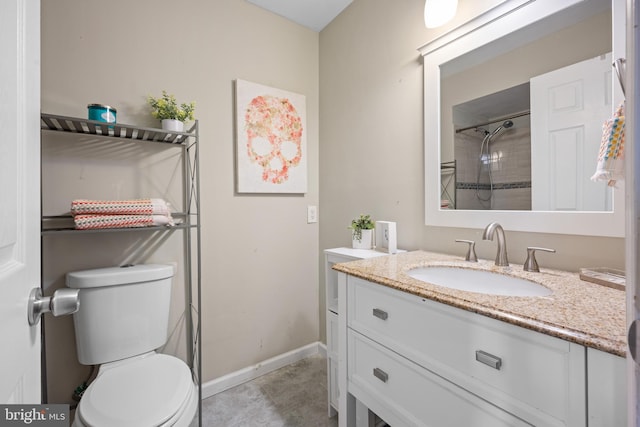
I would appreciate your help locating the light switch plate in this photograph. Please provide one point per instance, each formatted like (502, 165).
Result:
(312, 214)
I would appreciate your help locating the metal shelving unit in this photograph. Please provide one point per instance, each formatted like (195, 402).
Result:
(115, 130)
(189, 220)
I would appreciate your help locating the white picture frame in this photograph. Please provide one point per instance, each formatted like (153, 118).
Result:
(271, 140)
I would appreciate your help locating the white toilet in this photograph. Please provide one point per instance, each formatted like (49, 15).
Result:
(123, 319)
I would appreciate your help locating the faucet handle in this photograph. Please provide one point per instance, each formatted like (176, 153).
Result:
(471, 251)
(531, 264)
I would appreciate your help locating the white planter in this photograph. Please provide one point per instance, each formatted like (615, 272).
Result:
(366, 242)
(173, 125)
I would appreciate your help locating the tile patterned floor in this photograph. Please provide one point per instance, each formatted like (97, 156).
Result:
(293, 396)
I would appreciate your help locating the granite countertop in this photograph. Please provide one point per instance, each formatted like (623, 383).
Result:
(578, 311)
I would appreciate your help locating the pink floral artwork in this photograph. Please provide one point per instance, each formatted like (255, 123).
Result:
(271, 139)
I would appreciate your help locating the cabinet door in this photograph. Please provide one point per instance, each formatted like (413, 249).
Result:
(332, 362)
(332, 335)
(333, 386)
(607, 389)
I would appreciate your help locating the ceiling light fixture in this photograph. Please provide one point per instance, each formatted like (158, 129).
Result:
(439, 12)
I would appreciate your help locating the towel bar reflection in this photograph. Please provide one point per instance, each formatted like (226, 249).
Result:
(619, 66)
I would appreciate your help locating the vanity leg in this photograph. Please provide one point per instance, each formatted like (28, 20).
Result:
(346, 402)
(364, 418)
(351, 412)
(347, 414)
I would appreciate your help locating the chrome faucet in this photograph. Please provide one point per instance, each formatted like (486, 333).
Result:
(489, 231)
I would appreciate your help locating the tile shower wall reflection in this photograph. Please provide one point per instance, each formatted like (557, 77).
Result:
(510, 164)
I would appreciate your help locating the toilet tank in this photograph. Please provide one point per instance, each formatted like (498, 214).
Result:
(124, 311)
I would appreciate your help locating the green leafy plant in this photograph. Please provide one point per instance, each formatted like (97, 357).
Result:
(364, 222)
(166, 107)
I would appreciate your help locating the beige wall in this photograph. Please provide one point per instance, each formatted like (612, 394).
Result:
(371, 155)
(260, 257)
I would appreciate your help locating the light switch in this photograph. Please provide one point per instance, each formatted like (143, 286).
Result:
(312, 214)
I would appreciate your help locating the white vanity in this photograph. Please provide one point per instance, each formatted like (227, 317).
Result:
(417, 354)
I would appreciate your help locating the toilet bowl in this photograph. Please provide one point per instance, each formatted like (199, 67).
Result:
(148, 390)
(123, 319)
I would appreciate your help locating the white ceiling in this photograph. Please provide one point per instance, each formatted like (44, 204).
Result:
(313, 14)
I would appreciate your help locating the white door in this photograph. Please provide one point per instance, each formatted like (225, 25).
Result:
(19, 198)
(566, 127)
(632, 187)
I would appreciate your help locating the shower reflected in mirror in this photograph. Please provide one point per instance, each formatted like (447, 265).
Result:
(486, 159)
(493, 162)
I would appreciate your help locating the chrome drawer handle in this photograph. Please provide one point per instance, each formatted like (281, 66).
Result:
(380, 374)
(488, 359)
(380, 314)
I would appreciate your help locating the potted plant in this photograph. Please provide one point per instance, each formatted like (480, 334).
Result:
(169, 112)
(362, 232)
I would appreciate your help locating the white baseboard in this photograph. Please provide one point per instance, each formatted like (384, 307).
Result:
(249, 373)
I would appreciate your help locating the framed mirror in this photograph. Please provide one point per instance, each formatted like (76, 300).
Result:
(488, 87)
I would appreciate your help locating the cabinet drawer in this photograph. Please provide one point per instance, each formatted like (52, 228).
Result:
(404, 393)
(534, 376)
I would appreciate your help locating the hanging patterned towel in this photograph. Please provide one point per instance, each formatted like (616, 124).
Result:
(610, 165)
(94, 222)
(120, 207)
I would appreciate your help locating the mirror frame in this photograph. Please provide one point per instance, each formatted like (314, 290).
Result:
(509, 16)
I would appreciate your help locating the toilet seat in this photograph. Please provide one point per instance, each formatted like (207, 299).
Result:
(150, 390)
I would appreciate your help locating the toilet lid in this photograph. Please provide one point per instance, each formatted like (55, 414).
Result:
(145, 392)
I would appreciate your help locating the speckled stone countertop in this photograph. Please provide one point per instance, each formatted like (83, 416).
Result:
(582, 312)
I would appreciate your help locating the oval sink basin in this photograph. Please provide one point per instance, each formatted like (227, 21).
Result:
(479, 281)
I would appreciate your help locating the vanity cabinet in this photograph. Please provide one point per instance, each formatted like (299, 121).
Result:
(417, 362)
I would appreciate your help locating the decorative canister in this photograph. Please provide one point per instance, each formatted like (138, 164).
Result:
(102, 113)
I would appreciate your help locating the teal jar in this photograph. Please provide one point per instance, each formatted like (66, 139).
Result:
(102, 113)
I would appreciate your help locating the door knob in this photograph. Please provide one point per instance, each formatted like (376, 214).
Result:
(633, 341)
(64, 301)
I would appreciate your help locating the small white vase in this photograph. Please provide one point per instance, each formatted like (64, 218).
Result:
(366, 241)
(173, 125)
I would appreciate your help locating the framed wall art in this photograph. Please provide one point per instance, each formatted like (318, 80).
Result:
(271, 140)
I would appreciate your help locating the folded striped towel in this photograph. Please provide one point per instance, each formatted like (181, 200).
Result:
(610, 166)
(120, 207)
(95, 222)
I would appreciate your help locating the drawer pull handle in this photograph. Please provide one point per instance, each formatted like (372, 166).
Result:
(488, 359)
(380, 374)
(380, 314)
